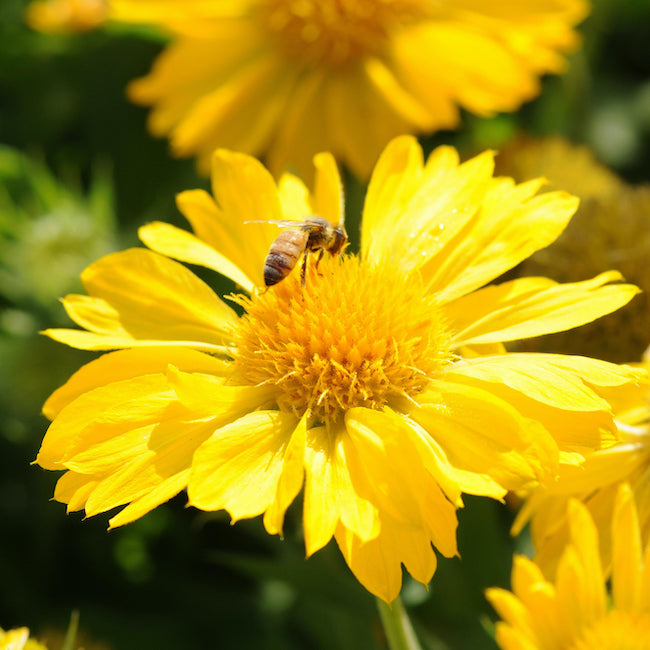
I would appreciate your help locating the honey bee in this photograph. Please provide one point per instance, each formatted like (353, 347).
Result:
(301, 238)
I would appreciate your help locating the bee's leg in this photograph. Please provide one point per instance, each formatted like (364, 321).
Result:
(303, 270)
(320, 257)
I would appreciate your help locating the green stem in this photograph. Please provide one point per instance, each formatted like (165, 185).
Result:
(397, 625)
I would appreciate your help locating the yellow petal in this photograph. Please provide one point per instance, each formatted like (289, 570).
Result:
(534, 306)
(603, 467)
(574, 608)
(385, 465)
(154, 301)
(529, 584)
(375, 563)
(131, 440)
(294, 197)
(397, 97)
(446, 204)
(174, 12)
(408, 49)
(394, 181)
(328, 191)
(209, 396)
(159, 493)
(550, 525)
(331, 495)
(290, 479)
(102, 342)
(185, 247)
(452, 480)
(244, 191)
(643, 604)
(303, 129)
(471, 75)
(431, 210)
(360, 118)
(484, 434)
(146, 474)
(74, 490)
(591, 595)
(239, 467)
(132, 402)
(94, 314)
(126, 364)
(561, 381)
(178, 80)
(510, 225)
(240, 111)
(510, 608)
(509, 638)
(627, 554)
(561, 392)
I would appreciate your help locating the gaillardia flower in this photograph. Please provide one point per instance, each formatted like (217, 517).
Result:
(66, 15)
(288, 79)
(576, 612)
(596, 483)
(380, 385)
(18, 639)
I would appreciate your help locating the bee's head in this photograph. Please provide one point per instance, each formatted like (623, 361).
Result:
(338, 240)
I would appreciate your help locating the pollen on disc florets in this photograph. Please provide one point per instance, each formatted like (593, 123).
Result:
(352, 336)
(335, 31)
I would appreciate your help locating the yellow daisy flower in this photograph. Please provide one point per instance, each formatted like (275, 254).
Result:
(576, 612)
(66, 15)
(380, 383)
(595, 483)
(288, 79)
(18, 639)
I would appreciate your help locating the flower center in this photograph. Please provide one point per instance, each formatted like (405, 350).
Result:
(352, 336)
(617, 631)
(335, 31)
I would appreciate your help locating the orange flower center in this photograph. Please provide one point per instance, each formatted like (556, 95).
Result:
(335, 31)
(352, 336)
(617, 631)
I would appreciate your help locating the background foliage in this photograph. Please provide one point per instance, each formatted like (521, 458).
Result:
(78, 175)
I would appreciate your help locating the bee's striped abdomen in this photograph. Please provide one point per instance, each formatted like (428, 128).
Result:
(283, 255)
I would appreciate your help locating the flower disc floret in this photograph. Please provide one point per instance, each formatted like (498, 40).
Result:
(335, 32)
(352, 336)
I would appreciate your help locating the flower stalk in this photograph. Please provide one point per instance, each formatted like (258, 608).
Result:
(397, 625)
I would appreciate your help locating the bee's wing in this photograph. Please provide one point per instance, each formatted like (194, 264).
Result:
(278, 222)
(308, 223)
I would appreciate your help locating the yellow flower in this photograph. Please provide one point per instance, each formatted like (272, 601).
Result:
(595, 483)
(381, 385)
(576, 612)
(18, 639)
(286, 78)
(66, 15)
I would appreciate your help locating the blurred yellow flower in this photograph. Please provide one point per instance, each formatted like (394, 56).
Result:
(66, 15)
(576, 612)
(596, 483)
(286, 78)
(18, 639)
(382, 385)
